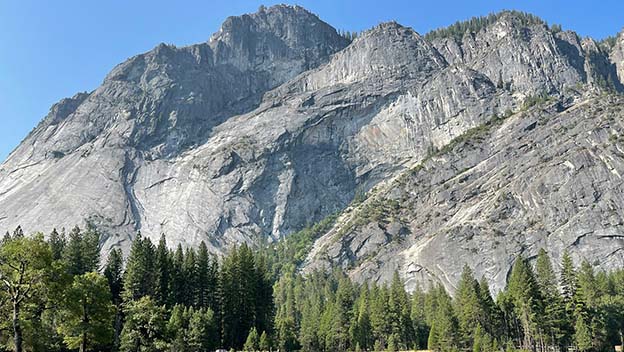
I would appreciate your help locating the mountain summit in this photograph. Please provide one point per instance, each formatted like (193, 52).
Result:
(469, 145)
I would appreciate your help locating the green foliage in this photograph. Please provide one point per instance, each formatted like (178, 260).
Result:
(187, 300)
(81, 254)
(608, 43)
(139, 277)
(475, 24)
(444, 327)
(535, 100)
(265, 342)
(252, 343)
(25, 264)
(292, 250)
(145, 327)
(87, 313)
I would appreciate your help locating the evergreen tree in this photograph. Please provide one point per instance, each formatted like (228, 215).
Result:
(18, 232)
(203, 285)
(265, 342)
(57, 244)
(443, 333)
(582, 335)
(491, 320)
(286, 329)
(177, 328)
(467, 307)
(400, 308)
(203, 334)
(144, 329)
(163, 272)
(139, 277)
(177, 289)
(568, 279)
(252, 343)
(264, 304)
(114, 275)
(524, 294)
(190, 278)
(339, 340)
(557, 329)
(82, 252)
(361, 329)
(379, 314)
(419, 318)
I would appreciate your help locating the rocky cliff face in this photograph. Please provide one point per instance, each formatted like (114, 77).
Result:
(617, 55)
(278, 121)
(548, 177)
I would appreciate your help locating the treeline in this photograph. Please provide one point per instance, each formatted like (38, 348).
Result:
(53, 297)
(537, 311)
(475, 24)
(350, 36)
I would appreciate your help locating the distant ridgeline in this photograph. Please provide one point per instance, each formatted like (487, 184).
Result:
(55, 298)
(475, 24)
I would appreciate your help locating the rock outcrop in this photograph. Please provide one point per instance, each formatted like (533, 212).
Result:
(278, 121)
(617, 55)
(548, 177)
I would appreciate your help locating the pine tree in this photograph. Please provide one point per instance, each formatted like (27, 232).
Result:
(252, 343)
(444, 327)
(177, 287)
(265, 342)
(177, 328)
(361, 329)
(419, 319)
(145, 326)
(57, 244)
(114, 275)
(400, 313)
(379, 314)
(18, 232)
(202, 330)
(203, 287)
(467, 307)
(163, 272)
(582, 335)
(524, 294)
(554, 323)
(139, 277)
(285, 325)
(342, 316)
(264, 304)
(568, 279)
(491, 321)
(190, 278)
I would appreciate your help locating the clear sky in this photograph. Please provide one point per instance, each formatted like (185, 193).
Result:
(53, 49)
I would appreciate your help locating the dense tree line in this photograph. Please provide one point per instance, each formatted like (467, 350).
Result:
(54, 297)
(538, 311)
(475, 24)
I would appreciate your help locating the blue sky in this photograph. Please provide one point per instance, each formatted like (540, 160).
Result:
(53, 49)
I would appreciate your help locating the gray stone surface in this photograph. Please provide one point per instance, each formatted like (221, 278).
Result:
(278, 121)
(549, 177)
(617, 55)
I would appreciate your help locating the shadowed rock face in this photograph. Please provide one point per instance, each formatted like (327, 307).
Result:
(617, 55)
(278, 121)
